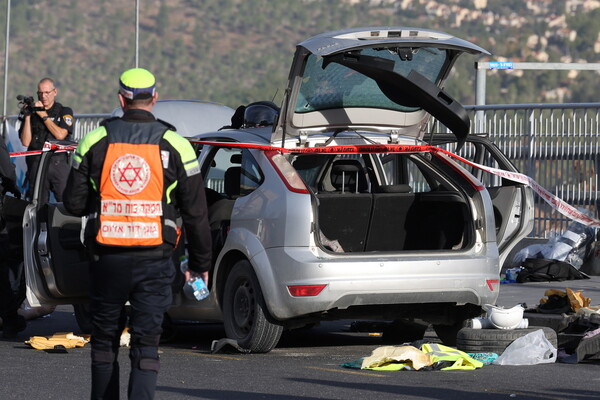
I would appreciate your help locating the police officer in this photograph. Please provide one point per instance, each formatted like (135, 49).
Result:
(50, 121)
(134, 176)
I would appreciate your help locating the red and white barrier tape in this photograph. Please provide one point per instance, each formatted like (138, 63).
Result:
(59, 148)
(554, 201)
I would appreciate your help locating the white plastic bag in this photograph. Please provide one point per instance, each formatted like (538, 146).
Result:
(533, 348)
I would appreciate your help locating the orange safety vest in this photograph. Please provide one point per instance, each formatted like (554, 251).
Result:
(132, 187)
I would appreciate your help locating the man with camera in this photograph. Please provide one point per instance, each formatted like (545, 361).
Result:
(43, 121)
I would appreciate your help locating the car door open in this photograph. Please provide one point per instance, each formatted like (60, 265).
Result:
(56, 263)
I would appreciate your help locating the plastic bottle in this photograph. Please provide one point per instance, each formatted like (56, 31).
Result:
(199, 289)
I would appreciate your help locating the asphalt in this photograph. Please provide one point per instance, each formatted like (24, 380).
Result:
(304, 366)
(530, 293)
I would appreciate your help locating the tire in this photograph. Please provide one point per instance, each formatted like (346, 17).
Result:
(496, 340)
(245, 314)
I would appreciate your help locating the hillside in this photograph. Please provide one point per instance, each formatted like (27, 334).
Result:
(234, 51)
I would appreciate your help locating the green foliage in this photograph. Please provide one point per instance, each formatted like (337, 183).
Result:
(238, 51)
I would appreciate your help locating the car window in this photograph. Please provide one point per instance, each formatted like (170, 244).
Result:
(336, 86)
(233, 172)
(223, 160)
(400, 169)
(477, 153)
(310, 167)
(332, 173)
(251, 175)
(416, 179)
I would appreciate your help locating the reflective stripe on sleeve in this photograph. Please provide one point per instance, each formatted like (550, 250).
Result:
(86, 144)
(186, 152)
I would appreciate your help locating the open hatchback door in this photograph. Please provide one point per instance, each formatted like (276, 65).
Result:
(386, 80)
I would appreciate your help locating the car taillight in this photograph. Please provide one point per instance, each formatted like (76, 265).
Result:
(305, 290)
(286, 172)
(493, 284)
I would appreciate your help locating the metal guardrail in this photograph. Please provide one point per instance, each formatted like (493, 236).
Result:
(555, 144)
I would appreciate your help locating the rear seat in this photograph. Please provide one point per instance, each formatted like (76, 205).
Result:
(345, 218)
(388, 228)
(344, 212)
(393, 219)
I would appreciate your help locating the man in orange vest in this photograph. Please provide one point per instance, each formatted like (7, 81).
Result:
(134, 177)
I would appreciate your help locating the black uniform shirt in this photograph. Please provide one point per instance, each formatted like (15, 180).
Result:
(60, 115)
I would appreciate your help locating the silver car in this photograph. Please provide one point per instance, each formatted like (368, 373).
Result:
(339, 208)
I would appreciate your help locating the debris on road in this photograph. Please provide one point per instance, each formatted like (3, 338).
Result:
(62, 340)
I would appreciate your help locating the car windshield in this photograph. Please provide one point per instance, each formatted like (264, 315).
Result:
(337, 86)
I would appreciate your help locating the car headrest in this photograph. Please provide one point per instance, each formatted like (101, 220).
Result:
(348, 176)
(232, 182)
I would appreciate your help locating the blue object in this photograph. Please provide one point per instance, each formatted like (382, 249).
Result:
(199, 287)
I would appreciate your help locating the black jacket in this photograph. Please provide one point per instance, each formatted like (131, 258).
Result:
(81, 195)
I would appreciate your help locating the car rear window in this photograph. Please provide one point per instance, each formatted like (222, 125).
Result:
(336, 86)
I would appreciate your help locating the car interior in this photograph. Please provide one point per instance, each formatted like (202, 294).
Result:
(364, 216)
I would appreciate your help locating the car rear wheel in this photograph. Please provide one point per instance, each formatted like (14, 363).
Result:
(246, 317)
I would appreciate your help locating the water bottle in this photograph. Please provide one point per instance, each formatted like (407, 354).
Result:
(197, 284)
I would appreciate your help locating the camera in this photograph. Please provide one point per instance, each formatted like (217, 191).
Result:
(27, 104)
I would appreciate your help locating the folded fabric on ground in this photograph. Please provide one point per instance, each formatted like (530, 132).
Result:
(66, 339)
(394, 358)
(408, 358)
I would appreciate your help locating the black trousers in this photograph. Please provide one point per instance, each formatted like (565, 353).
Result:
(12, 279)
(146, 283)
(56, 177)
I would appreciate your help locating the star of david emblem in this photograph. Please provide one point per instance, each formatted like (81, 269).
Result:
(130, 174)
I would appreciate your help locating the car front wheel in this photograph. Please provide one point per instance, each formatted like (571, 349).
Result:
(246, 317)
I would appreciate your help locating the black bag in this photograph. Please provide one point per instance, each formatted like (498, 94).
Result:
(543, 270)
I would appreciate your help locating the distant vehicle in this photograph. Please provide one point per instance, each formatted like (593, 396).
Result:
(318, 231)
(190, 117)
